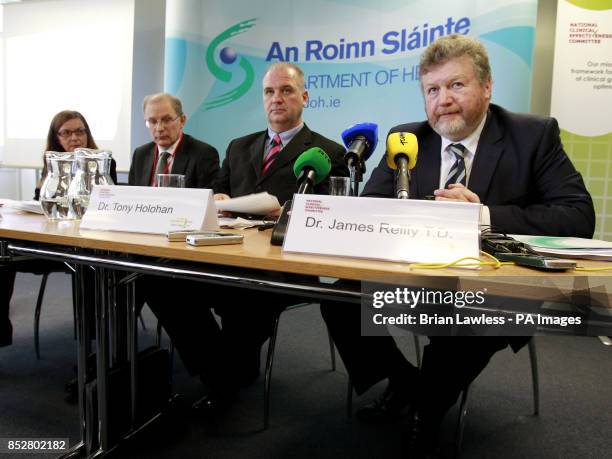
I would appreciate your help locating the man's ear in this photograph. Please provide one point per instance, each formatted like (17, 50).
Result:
(488, 87)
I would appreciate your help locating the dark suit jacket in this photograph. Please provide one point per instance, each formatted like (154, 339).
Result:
(241, 170)
(520, 171)
(198, 161)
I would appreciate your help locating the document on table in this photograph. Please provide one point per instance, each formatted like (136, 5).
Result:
(568, 247)
(26, 206)
(254, 204)
(240, 223)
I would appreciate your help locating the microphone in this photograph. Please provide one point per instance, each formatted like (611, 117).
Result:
(360, 141)
(311, 168)
(402, 149)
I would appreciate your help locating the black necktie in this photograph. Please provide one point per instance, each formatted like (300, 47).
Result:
(457, 172)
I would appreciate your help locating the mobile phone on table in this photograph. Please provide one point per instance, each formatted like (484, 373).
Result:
(537, 261)
(213, 238)
(181, 235)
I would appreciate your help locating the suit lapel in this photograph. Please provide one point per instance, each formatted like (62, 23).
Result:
(289, 153)
(181, 157)
(489, 151)
(147, 168)
(256, 153)
(428, 160)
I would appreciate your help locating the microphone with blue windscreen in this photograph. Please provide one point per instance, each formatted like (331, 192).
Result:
(360, 141)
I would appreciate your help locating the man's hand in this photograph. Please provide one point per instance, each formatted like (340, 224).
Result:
(223, 197)
(456, 192)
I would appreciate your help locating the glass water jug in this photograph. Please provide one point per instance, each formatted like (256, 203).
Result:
(54, 190)
(92, 168)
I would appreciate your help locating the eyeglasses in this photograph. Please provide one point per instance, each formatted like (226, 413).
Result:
(66, 133)
(165, 121)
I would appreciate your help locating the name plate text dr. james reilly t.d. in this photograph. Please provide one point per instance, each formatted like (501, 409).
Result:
(144, 209)
(383, 229)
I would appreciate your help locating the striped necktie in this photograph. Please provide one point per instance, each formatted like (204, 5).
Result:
(272, 154)
(162, 164)
(457, 172)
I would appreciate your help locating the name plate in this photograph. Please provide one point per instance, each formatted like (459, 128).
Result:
(383, 229)
(144, 209)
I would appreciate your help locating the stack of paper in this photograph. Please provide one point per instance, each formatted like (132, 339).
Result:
(568, 247)
(26, 206)
(239, 223)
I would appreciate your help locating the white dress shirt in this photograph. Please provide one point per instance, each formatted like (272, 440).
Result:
(448, 159)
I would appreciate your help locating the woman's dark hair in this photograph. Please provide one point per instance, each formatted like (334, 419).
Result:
(58, 120)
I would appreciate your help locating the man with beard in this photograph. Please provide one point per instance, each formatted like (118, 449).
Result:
(469, 151)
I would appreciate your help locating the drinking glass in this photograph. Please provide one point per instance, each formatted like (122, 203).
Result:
(340, 186)
(170, 180)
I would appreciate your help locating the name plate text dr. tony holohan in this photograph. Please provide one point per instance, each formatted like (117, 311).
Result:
(144, 209)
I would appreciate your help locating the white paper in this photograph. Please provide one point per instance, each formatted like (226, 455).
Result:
(256, 204)
(568, 247)
(26, 206)
(239, 223)
(562, 243)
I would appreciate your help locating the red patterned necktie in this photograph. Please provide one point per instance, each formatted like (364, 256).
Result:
(271, 156)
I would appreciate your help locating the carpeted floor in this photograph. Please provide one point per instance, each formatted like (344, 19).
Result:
(308, 407)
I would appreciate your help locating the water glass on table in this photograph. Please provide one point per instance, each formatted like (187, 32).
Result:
(170, 180)
(340, 186)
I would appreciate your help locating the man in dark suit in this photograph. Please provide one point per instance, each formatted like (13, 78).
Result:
(171, 150)
(249, 167)
(471, 151)
(227, 357)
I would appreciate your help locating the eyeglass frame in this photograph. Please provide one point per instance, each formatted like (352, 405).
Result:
(163, 122)
(67, 133)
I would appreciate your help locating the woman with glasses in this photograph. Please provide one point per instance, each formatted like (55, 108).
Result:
(68, 131)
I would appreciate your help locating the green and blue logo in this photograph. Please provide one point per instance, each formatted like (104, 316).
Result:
(228, 56)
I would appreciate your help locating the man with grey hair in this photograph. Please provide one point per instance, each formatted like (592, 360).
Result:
(470, 151)
(171, 150)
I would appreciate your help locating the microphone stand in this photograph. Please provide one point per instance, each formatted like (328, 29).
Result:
(402, 179)
(305, 180)
(356, 175)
